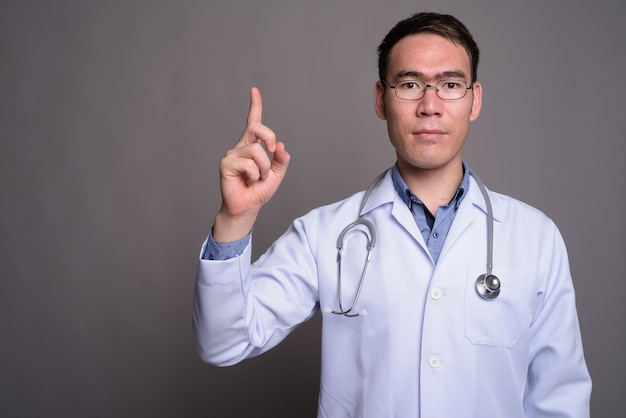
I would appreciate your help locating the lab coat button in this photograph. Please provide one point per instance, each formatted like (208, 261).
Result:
(436, 293)
(434, 362)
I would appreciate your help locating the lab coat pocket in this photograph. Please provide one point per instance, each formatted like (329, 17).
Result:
(498, 322)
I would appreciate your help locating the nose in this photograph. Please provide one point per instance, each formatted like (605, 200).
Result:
(430, 104)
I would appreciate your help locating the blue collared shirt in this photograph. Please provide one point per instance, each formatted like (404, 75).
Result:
(434, 229)
(216, 250)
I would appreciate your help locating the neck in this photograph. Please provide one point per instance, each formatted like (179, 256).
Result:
(434, 187)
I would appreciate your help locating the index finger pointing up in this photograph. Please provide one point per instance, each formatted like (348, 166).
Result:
(255, 113)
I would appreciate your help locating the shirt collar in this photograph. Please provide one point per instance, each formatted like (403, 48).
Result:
(408, 197)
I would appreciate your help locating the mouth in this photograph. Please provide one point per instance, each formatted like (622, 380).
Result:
(429, 133)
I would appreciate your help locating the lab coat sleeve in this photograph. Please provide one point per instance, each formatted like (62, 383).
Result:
(558, 382)
(218, 324)
(241, 310)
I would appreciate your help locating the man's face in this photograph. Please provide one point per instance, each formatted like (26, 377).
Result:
(427, 133)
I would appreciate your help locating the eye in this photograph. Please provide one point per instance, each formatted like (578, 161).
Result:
(451, 85)
(409, 85)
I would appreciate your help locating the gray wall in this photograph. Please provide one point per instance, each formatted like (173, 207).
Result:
(114, 115)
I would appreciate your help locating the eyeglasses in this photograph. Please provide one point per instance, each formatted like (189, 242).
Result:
(415, 89)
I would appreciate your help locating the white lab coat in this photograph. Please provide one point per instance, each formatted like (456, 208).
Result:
(429, 346)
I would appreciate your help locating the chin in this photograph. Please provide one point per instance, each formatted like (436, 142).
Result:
(429, 163)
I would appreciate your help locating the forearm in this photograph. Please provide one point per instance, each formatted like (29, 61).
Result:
(558, 379)
(242, 310)
(233, 228)
(219, 327)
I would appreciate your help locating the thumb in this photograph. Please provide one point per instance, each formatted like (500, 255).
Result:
(281, 159)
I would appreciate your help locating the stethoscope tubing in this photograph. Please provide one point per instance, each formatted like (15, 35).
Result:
(487, 200)
(487, 285)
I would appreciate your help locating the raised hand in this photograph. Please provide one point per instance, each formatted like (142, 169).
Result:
(248, 177)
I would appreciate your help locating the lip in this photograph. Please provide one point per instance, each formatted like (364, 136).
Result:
(429, 133)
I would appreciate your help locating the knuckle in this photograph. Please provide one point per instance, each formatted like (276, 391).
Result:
(230, 154)
(224, 164)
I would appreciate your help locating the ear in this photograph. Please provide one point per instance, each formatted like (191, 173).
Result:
(477, 101)
(379, 100)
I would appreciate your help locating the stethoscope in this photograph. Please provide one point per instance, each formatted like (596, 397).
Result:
(487, 284)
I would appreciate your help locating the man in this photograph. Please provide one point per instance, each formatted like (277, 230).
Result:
(420, 337)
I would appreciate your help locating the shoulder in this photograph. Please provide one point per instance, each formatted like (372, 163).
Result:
(512, 211)
(379, 193)
(343, 208)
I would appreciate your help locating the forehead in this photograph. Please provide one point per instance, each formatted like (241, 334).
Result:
(427, 54)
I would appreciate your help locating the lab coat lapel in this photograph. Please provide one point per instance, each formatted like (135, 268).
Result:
(462, 220)
(403, 215)
(386, 194)
(470, 207)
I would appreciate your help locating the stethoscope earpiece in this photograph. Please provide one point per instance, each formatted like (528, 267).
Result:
(488, 286)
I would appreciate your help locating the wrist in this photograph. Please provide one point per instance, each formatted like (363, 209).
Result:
(228, 228)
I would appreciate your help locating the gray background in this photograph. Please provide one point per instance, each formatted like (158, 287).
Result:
(115, 114)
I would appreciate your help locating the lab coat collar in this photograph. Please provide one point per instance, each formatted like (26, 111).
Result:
(386, 193)
(382, 194)
(477, 199)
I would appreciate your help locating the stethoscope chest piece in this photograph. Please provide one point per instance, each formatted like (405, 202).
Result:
(488, 286)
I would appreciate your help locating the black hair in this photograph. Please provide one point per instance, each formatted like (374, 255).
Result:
(440, 24)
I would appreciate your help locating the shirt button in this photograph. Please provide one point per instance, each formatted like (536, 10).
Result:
(436, 235)
(436, 293)
(434, 362)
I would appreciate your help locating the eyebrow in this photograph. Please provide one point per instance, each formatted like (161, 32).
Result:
(421, 76)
